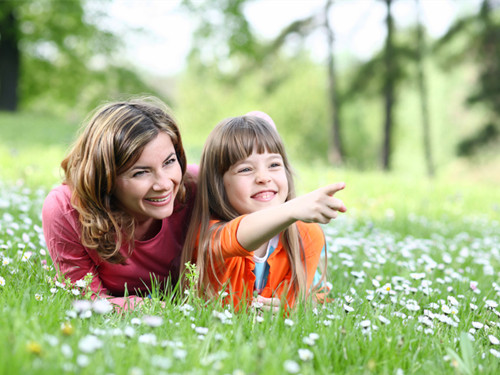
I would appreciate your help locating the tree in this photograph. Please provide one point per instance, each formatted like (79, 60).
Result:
(389, 98)
(53, 54)
(225, 42)
(480, 37)
(382, 76)
(336, 152)
(9, 56)
(423, 94)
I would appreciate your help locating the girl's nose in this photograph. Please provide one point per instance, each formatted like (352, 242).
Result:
(262, 177)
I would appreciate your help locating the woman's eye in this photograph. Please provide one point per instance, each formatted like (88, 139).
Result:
(138, 174)
(170, 161)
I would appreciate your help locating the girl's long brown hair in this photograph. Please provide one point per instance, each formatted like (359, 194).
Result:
(109, 144)
(232, 140)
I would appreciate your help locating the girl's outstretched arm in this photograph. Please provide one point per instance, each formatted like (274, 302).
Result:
(318, 206)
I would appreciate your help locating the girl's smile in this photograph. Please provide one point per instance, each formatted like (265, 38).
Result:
(257, 182)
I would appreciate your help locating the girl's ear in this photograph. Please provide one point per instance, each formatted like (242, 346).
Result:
(263, 116)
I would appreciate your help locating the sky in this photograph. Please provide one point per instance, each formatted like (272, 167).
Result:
(158, 34)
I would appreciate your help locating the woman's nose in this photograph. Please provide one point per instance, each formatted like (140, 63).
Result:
(162, 181)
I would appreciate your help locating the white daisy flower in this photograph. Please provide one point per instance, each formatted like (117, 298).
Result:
(81, 283)
(305, 354)
(496, 353)
(89, 344)
(383, 319)
(180, 354)
(428, 331)
(413, 306)
(82, 360)
(348, 299)
(314, 336)
(152, 321)
(477, 325)
(446, 309)
(162, 362)
(135, 321)
(201, 330)
(129, 331)
(365, 323)
(82, 305)
(491, 304)
(291, 367)
(102, 306)
(148, 338)
(348, 308)
(66, 350)
(493, 340)
(417, 276)
(308, 341)
(26, 256)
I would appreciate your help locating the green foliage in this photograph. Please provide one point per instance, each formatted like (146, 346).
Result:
(32, 147)
(68, 62)
(220, 38)
(297, 105)
(475, 38)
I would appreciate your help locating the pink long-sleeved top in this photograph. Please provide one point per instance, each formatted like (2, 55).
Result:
(157, 257)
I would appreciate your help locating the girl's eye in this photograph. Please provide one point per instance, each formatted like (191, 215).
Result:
(275, 165)
(243, 170)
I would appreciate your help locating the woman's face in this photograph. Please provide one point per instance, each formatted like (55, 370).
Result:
(148, 189)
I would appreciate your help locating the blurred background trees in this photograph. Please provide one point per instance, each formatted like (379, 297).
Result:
(54, 56)
(416, 104)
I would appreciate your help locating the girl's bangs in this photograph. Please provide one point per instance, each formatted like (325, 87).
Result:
(243, 140)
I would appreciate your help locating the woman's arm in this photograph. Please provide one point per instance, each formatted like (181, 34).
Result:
(71, 259)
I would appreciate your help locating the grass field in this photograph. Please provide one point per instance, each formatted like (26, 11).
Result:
(414, 265)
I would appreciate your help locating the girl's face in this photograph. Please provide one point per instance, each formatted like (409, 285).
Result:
(148, 189)
(256, 182)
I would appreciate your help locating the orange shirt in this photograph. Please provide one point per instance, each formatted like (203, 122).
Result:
(237, 270)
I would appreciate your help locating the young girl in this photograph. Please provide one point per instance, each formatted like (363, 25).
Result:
(248, 231)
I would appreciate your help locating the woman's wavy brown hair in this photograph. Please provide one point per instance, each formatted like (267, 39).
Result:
(108, 145)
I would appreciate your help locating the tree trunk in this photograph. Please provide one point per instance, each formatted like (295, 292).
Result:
(388, 91)
(9, 57)
(335, 154)
(423, 94)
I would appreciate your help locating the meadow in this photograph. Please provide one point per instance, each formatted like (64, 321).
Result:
(414, 267)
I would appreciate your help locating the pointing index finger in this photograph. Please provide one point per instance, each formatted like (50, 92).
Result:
(333, 188)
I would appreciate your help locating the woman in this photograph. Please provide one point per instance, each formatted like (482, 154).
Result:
(123, 209)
